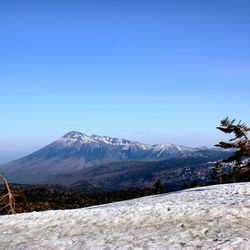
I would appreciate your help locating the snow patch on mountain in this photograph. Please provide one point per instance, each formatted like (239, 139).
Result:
(74, 137)
(157, 151)
(111, 140)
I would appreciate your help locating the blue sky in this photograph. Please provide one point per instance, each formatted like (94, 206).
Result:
(153, 71)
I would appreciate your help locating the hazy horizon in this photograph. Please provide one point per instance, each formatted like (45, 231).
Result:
(149, 71)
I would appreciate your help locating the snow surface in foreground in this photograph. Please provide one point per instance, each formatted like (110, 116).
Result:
(215, 217)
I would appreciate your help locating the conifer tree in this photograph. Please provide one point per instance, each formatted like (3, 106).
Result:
(241, 142)
(241, 146)
(158, 187)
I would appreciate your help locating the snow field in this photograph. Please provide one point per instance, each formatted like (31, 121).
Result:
(214, 217)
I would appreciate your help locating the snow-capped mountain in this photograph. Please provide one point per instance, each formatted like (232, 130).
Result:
(106, 149)
(75, 151)
(76, 154)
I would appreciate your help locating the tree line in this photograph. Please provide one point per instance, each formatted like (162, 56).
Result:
(30, 198)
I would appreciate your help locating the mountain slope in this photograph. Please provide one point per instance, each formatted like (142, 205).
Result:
(174, 173)
(75, 151)
(215, 217)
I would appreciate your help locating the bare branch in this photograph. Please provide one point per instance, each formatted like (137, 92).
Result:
(4, 196)
(10, 196)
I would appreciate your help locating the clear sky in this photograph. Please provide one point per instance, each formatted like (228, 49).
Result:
(153, 71)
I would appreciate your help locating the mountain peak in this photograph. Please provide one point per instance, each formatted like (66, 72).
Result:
(73, 137)
(74, 134)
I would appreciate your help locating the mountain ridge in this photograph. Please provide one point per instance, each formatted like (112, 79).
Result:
(75, 151)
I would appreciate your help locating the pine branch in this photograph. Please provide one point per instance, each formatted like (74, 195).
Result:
(240, 142)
